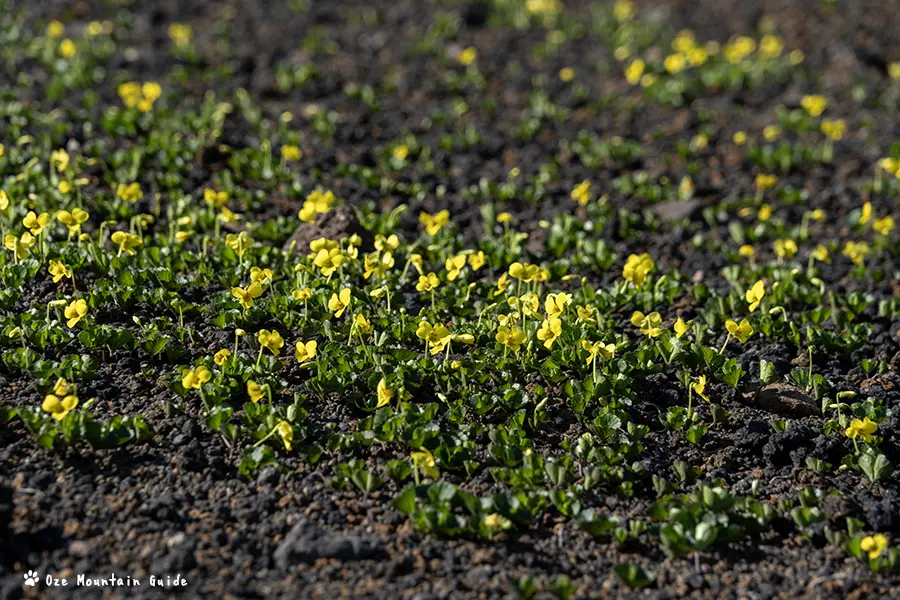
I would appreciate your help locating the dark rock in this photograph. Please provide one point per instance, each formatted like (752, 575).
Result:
(338, 223)
(268, 476)
(307, 543)
(791, 446)
(676, 210)
(784, 399)
(179, 558)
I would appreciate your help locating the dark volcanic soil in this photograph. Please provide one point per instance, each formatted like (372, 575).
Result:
(178, 504)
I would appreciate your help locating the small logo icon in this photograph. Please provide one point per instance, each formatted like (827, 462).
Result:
(31, 578)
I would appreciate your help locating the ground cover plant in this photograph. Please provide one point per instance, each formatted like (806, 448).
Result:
(513, 298)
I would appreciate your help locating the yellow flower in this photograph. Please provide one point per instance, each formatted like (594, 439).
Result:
(555, 304)
(59, 270)
(400, 152)
(675, 63)
(95, 28)
(72, 220)
(699, 387)
(424, 461)
(865, 214)
(741, 332)
(585, 314)
(747, 251)
(598, 349)
(246, 295)
(771, 133)
(427, 282)
(434, 223)
(238, 242)
(454, 266)
(19, 245)
(582, 193)
(884, 225)
(67, 48)
(891, 165)
(496, 521)
(635, 71)
(130, 193)
(329, 261)
(765, 182)
(684, 41)
(363, 324)
(815, 105)
(862, 428)
(468, 56)
(785, 248)
(437, 336)
(61, 387)
(874, 545)
(60, 159)
(566, 74)
(255, 391)
(195, 378)
(271, 340)
(140, 95)
(817, 214)
(75, 311)
(623, 10)
(55, 29)
(339, 302)
(637, 267)
(317, 202)
(285, 434)
(504, 217)
(894, 70)
(36, 223)
(377, 264)
(215, 199)
(856, 251)
(648, 324)
(502, 284)
(227, 216)
(306, 351)
(834, 129)
(260, 276)
(820, 253)
(550, 330)
(680, 328)
(476, 260)
(390, 243)
(542, 7)
(57, 408)
(4, 198)
(739, 49)
(385, 394)
(127, 242)
(291, 152)
(526, 272)
(221, 356)
(302, 294)
(511, 337)
(697, 56)
(755, 294)
(771, 46)
(180, 34)
(527, 303)
(739, 138)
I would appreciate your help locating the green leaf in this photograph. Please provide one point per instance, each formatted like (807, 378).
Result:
(767, 373)
(405, 502)
(875, 467)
